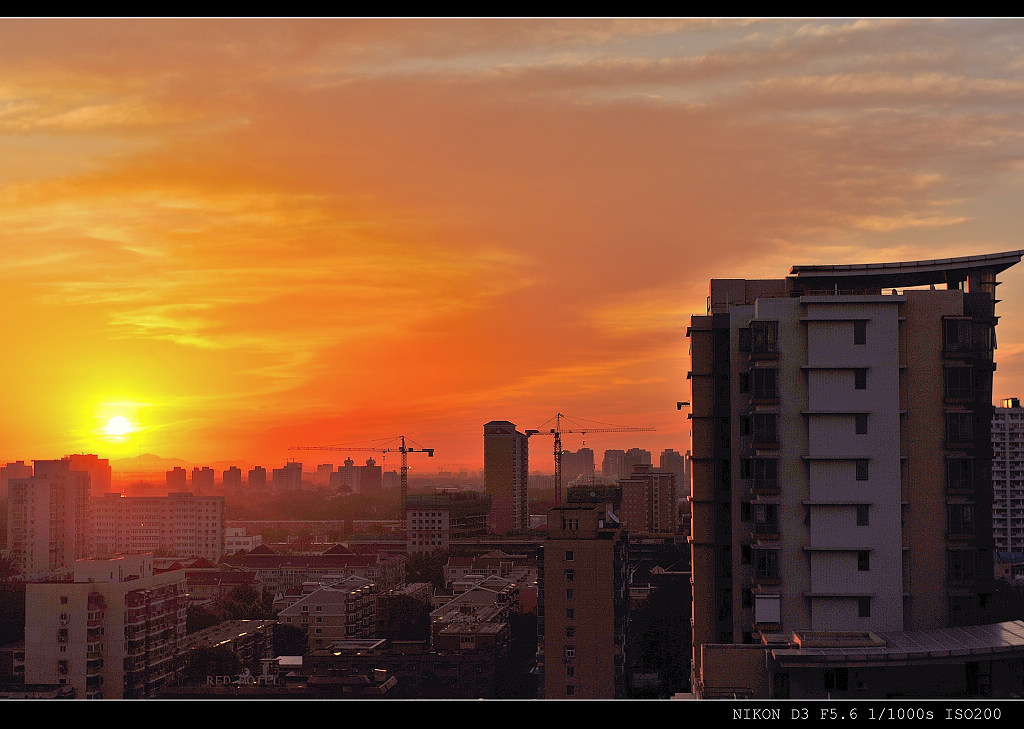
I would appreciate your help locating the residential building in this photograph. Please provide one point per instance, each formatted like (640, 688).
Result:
(1008, 476)
(344, 610)
(584, 593)
(577, 463)
(176, 480)
(97, 468)
(257, 478)
(649, 501)
(17, 469)
(841, 453)
(279, 572)
(237, 539)
(232, 479)
(432, 521)
(506, 477)
(114, 632)
(48, 519)
(203, 481)
(179, 524)
(288, 478)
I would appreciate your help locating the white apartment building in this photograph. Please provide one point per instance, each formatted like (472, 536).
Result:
(179, 524)
(115, 632)
(1008, 476)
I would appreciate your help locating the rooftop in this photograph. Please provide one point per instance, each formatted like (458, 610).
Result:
(904, 273)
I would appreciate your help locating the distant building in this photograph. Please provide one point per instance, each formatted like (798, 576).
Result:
(236, 539)
(679, 464)
(17, 469)
(433, 521)
(288, 478)
(1008, 476)
(584, 585)
(649, 501)
(370, 478)
(176, 479)
(619, 464)
(115, 632)
(97, 468)
(577, 463)
(257, 478)
(48, 519)
(179, 524)
(203, 481)
(506, 476)
(323, 474)
(232, 479)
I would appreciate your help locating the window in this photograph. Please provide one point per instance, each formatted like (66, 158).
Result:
(961, 566)
(862, 469)
(861, 423)
(860, 332)
(766, 564)
(961, 518)
(570, 575)
(764, 337)
(747, 598)
(570, 651)
(569, 594)
(764, 382)
(959, 382)
(863, 607)
(766, 518)
(767, 609)
(745, 511)
(570, 690)
(744, 382)
(860, 379)
(570, 614)
(956, 335)
(863, 561)
(959, 428)
(863, 518)
(570, 671)
(765, 428)
(744, 340)
(569, 556)
(960, 474)
(746, 426)
(745, 554)
(570, 631)
(63, 599)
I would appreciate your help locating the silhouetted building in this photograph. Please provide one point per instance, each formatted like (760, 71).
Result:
(584, 584)
(288, 478)
(203, 481)
(577, 463)
(506, 476)
(257, 478)
(841, 473)
(17, 469)
(97, 468)
(370, 478)
(232, 479)
(677, 463)
(177, 479)
(48, 519)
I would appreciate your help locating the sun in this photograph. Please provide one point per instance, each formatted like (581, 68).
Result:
(119, 425)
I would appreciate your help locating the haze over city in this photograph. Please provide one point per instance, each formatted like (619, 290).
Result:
(244, 235)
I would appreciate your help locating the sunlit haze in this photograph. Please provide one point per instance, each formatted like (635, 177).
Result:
(223, 238)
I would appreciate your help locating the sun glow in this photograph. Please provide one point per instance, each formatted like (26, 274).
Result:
(119, 425)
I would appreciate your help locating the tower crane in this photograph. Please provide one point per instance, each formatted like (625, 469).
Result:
(400, 448)
(582, 429)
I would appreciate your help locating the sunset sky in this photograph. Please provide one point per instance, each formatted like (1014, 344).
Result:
(243, 235)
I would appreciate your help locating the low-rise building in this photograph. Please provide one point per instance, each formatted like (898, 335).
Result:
(343, 610)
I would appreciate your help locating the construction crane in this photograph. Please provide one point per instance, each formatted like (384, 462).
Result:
(582, 429)
(389, 449)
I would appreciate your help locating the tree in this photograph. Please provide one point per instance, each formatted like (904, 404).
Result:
(406, 619)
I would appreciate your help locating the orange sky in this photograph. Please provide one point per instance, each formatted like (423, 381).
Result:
(245, 235)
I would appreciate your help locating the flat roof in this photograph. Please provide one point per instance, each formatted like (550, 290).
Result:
(908, 647)
(908, 273)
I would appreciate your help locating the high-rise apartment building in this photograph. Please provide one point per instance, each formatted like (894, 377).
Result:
(841, 472)
(179, 524)
(584, 591)
(648, 501)
(232, 479)
(114, 632)
(257, 478)
(577, 463)
(48, 519)
(1008, 476)
(506, 476)
(203, 481)
(16, 469)
(176, 479)
(97, 468)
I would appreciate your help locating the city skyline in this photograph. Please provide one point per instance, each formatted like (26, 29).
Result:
(245, 235)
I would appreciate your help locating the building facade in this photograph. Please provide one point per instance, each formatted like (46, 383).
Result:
(506, 477)
(432, 521)
(1008, 476)
(841, 472)
(114, 632)
(648, 501)
(48, 519)
(584, 585)
(179, 524)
